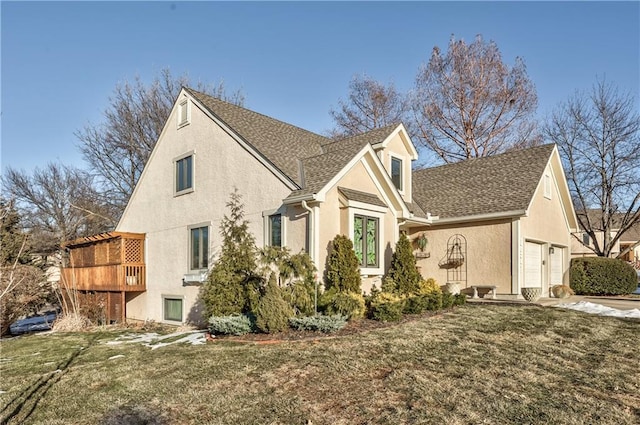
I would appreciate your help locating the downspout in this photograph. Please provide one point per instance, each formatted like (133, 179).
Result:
(311, 249)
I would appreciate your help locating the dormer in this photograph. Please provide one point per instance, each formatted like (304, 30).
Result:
(396, 152)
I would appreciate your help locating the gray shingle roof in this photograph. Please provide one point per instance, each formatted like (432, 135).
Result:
(500, 183)
(358, 196)
(281, 143)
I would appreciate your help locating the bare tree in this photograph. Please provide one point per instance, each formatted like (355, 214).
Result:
(370, 105)
(468, 103)
(118, 148)
(598, 135)
(57, 203)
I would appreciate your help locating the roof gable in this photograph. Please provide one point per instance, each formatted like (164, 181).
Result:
(499, 184)
(280, 143)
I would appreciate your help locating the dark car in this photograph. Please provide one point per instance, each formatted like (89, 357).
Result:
(41, 322)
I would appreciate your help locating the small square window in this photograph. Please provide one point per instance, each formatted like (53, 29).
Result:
(184, 174)
(396, 172)
(172, 309)
(184, 115)
(199, 258)
(585, 239)
(275, 230)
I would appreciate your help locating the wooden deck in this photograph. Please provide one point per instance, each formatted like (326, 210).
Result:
(107, 262)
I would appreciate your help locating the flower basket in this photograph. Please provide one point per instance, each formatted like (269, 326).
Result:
(452, 263)
(531, 294)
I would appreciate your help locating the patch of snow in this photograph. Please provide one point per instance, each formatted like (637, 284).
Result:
(116, 357)
(36, 354)
(2, 392)
(5, 360)
(601, 310)
(153, 340)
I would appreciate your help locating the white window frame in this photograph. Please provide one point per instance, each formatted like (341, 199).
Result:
(266, 219)
(177, 192)
(365, 211)
(184, 106)
(189, 241)
(402, 173)
(547, 185)
(172, 297)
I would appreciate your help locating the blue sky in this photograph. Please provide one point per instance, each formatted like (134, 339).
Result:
(292, 60)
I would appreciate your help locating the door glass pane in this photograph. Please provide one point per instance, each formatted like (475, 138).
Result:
(357, 236)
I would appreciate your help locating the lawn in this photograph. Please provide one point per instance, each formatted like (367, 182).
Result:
(474, 365)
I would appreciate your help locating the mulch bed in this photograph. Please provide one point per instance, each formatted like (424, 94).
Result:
(353, 327)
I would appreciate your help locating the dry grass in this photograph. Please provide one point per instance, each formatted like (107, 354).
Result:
(475, 365)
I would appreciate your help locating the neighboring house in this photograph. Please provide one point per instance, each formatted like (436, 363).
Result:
(583, 244)
(300, 189)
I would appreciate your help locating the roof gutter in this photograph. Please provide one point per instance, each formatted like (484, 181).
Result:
(481, 217)
(301, 198)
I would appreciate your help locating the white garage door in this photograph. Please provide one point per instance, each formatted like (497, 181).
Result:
(532, 264)
(556, 266)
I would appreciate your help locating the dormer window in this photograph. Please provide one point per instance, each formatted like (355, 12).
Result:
(396, 172)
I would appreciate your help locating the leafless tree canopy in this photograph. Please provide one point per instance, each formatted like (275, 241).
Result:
(57, 203)
(468, 103)
(598, 134)
(370, 105)
(118, 148)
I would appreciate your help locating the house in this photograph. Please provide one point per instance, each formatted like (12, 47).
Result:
(583, 244)
(300, 189)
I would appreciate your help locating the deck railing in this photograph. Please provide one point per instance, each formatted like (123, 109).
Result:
(116, 277)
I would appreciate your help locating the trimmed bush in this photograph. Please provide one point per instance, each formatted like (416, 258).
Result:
(459, 299)
(386, 307)
(324, 324)
(433, 301)
(429, 286)
(347, 304)
(415, 305)
(403, 271)
(300, 296)
(236, 324)
(273, 311)
(602, 276)
(343, 270)
(447, 300)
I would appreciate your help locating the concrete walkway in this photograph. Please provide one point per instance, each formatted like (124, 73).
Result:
(619, 303)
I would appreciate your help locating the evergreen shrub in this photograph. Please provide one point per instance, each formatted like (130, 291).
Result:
(433, 301)
(347, 304)
(602, 276)
(343, 269)
(319, 323)
(403, 270)
(429, 286)
(416, 304)
(236, 324)
(459, 299)
(386, 307)
(273, 312)
(447, 300)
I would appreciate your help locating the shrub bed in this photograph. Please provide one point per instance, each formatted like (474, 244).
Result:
(237, 324)
(324, 324)
(602, 276)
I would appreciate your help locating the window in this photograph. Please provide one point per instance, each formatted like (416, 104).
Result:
(365, 240)
(184, 174)
(585, 239)
(275, 230)
(199, 258)
(547, 186)
(172, 309)
(184, 115)
(396, 172)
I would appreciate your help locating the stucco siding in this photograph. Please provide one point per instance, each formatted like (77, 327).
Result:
(545, 223)
(335, 219)
(487, 257)
(220, 165)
